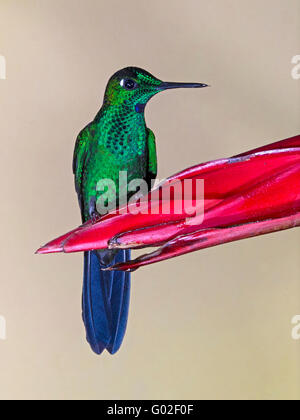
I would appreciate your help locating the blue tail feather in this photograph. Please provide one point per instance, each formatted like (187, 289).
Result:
(105, 303)
(120, 299)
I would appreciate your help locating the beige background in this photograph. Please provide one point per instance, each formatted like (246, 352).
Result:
(213, 324)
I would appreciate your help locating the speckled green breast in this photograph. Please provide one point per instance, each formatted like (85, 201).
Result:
(117, 142)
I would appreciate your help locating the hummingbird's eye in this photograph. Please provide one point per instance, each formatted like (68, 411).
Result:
(128, 84)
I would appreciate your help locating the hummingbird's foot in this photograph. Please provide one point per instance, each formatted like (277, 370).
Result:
(95, 217)
(138, 196)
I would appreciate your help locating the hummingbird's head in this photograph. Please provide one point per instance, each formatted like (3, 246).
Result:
(134, 87)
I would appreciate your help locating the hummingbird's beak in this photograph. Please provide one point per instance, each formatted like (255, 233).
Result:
(175, 85)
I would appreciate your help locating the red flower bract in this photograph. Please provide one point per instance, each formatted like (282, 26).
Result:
(251, 194)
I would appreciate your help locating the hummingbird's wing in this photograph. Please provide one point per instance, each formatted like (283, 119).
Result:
(79, 159)
(152, 158)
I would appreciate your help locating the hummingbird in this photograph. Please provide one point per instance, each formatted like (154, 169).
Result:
(116, 141)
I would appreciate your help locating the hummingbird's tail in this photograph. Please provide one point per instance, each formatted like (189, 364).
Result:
(105, 302)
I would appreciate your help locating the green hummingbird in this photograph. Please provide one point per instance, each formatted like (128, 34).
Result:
(116, 141)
